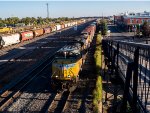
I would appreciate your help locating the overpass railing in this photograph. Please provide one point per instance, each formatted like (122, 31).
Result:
(130, 61)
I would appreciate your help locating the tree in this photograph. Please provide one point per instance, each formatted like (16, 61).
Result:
(104, 27)
(26, 20)
(2, 24)
(145, 29)
(40, 20)
(138, 30)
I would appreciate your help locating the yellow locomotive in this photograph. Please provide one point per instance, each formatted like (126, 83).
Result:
(66, 66)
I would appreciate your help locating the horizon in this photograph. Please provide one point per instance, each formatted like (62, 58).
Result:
(70, 9)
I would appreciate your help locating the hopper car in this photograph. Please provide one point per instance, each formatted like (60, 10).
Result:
(11, 39)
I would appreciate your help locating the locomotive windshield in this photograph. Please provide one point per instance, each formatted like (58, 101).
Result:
(69, 51)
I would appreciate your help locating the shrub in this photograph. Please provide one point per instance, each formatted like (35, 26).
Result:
(97, 93)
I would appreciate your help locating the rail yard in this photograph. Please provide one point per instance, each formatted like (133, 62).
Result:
(28, 64)
(74, 57)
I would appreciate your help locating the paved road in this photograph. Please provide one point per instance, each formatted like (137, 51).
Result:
(118, 35)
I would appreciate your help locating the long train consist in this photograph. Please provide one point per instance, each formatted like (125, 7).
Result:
(69, 60)
(11, 39)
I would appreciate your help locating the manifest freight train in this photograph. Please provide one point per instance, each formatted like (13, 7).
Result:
(11, 39)
(69, 60)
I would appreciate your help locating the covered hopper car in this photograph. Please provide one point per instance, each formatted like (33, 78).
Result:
(26, 35)
(9, 39)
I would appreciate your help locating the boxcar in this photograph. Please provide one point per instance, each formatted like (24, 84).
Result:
(6, 40)
(26, 35)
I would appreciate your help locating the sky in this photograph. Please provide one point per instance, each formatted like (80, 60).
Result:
(69, 8)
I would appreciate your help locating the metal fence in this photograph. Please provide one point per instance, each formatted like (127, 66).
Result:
(131, 61)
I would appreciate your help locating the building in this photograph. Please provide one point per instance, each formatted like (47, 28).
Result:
(129, 21)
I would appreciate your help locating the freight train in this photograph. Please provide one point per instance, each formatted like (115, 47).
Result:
(11, 39)
(69, 60)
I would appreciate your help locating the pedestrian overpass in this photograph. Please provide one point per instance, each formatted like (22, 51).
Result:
(130, 61)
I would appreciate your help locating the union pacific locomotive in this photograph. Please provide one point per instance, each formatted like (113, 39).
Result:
(69, 60)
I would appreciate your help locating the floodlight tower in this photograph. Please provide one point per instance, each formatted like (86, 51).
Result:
(47, 11)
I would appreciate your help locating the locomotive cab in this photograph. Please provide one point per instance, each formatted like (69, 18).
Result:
(66, 66)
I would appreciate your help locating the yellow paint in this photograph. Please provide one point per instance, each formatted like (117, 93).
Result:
(64, 68)
(5, 29)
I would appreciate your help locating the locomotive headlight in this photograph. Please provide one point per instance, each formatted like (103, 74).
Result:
(56, 76)
(68, 76)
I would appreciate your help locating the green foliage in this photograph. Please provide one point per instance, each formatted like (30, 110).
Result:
(104, 27)
(97, 55)
(2, 24)
(145, 29)
(32, 20)
(138, 30)
(97, 93)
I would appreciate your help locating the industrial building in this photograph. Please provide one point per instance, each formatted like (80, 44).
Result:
(130, 21)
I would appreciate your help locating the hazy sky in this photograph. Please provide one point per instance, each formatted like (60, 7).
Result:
(69, 8)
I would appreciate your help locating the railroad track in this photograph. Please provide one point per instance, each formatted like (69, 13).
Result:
(80, 98)
(13, 92)
(19, 50)
(8, 48)
(30, 56)
(4, 49)
(58, 103)
(80, 101)
(11, 95)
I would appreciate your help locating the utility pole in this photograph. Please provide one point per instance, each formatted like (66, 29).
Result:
(47, 11)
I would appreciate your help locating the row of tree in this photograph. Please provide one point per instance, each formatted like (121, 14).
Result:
(12, 21)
